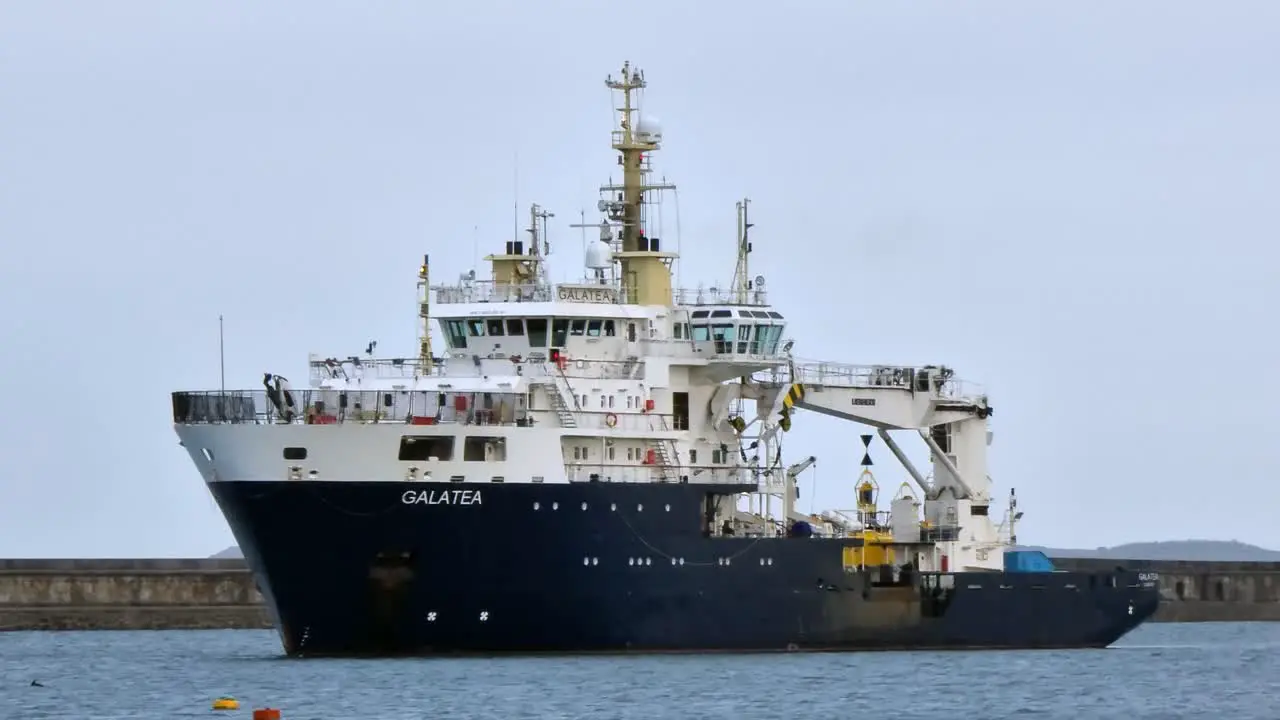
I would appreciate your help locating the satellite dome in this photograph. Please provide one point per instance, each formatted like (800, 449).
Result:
(648, 129)
(599, 256)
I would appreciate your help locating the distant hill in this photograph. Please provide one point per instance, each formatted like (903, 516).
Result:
(1194, 550)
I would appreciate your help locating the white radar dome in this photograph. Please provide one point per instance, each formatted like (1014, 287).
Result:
(648, 129)
(599, 256)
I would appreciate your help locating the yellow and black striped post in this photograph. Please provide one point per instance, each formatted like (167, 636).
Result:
(794, 395)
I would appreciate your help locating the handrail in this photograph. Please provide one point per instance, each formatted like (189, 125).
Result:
(331, 407)
(418, 407)
(534, 365)
(488, 291)
(577, 406)
(624, 472)
(927, 378)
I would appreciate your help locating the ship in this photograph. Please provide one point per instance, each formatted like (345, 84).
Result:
(597, 466)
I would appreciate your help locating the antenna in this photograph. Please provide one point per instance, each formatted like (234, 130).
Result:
(515, 196)
(741, 275)
(222, 358)
(539, 245)
(426, 365)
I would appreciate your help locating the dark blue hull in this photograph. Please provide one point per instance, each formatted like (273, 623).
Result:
(351, 568)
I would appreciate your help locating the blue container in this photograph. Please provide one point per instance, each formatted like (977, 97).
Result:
(1027, 561)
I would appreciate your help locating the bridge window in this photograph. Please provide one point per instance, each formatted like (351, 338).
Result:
(700, 314)
(577, 327)
(744, 334)
(537, 332)
(559, 332)
(610, 330)
(596, 327)
(769, 341)
(759, 314)
(756, 339)
(701, 333)
(723, 337)
(515, 326)
(722, 313)
(495, 327)
(424, 447)
(457, 332)
(775, 315)
(677, 331)
(475, 328)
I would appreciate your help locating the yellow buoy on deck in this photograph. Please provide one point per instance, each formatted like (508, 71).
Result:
(226, 703)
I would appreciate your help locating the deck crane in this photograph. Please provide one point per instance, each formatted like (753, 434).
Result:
(789, 489)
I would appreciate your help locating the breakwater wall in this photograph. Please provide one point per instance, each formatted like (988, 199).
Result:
(128, 595)
(1193, 591)
(220, 593)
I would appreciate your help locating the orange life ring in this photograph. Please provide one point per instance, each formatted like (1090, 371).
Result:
(611, 420)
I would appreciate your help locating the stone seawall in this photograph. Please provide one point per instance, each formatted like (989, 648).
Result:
(128, 595)
(1204, 591)
(220, 594)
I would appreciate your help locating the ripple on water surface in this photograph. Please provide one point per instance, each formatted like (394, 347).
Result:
(1161, 671)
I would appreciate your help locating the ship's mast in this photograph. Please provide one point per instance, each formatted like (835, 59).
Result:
(425, 363)
(645, 270)
(539, 246)
(625, 142)
(741, 275)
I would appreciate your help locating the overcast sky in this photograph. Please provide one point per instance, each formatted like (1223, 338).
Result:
(1073, 203)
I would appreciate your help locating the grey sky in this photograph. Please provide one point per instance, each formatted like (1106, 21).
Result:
(1073, 206)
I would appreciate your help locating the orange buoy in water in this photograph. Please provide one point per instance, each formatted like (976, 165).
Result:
(226, 703)
(266, 714)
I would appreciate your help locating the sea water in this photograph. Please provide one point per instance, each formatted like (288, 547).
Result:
(1228, 671)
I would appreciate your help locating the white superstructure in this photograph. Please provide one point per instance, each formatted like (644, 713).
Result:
(619, 378)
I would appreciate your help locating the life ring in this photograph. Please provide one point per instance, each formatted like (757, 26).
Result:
(611, 420)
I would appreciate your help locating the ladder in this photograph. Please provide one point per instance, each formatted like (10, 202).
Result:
(563, 411)
(668, 463)
(629, 367)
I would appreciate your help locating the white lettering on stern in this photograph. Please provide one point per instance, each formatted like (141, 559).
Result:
(441, 497)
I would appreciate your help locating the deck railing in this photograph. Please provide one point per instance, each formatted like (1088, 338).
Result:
(533, 365)
(330, 407)
(487, 291)
(925, 379)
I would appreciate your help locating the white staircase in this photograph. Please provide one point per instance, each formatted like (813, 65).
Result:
(629, 367)
(556, 388)
(664, 451)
